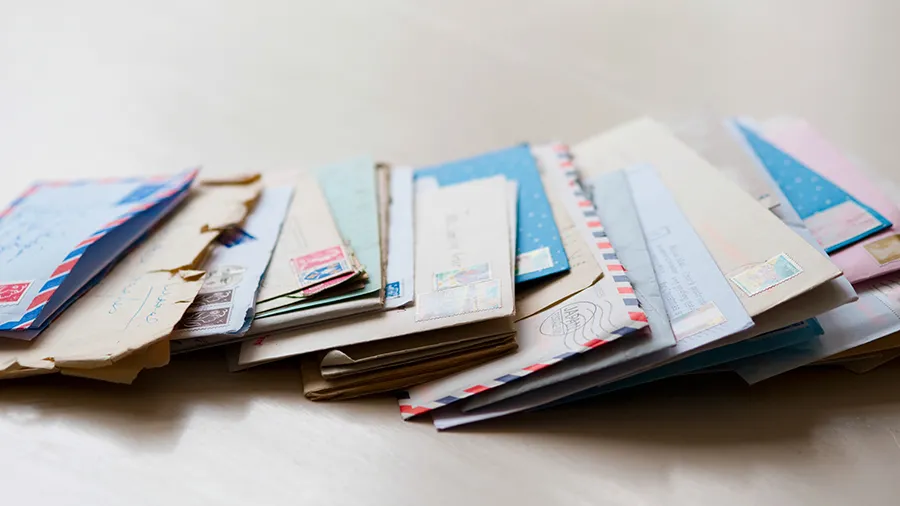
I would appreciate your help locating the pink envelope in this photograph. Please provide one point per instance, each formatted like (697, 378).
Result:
(873, 257)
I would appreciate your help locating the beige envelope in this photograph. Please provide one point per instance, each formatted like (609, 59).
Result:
(138, 303)
(710, 137)
(375, 355)
(352, 305)
(317, 388)
(308, 228)
(456, 228)
(766, 263)
(584, 270)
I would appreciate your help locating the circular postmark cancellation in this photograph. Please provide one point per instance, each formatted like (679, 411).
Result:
(226, 276)
(569, 318)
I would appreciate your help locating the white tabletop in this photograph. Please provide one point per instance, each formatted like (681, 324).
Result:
(122, 87)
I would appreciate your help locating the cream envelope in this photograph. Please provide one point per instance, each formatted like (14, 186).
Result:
(138, 303)
(766, 263)
(308, 228)
(554, 161)
(317, 388)
(463, 274)
(358, 208)
(711, 138)
(366, 357)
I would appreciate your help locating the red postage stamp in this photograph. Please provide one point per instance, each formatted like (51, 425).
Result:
(12, 293)
(323, 265)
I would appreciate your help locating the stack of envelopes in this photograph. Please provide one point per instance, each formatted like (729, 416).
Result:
(518, 279)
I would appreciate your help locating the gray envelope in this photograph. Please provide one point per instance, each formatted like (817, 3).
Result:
(612, 198)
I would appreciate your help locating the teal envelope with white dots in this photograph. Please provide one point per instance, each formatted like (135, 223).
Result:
(539, 249)
(836, 218)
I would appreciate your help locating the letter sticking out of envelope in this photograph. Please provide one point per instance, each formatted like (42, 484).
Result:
(463, 275)
(142, 298)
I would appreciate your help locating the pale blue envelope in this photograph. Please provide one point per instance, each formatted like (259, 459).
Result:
(59, 237)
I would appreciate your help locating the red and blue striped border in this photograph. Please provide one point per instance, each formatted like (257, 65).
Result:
(59, 274)
(636, 316)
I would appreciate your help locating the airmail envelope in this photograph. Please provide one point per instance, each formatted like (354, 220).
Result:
(57, 237)
(579, 242)
(463, 274)
(765, 262)
(142, 298)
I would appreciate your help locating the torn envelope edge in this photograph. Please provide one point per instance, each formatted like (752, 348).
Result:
(188, 274)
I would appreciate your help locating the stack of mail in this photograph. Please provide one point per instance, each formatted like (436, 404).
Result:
(710, 266)
(514, 280)
(459, 237)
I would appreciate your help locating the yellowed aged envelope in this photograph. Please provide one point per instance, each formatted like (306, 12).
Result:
(138, 303)
(463, 274)
(766, 263)
(385, 353)
(317, 388)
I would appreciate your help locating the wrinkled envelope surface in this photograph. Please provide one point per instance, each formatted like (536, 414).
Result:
(139, 302)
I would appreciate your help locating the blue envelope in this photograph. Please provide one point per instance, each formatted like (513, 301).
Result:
(59, 237)
(539, 250)
(836, 218)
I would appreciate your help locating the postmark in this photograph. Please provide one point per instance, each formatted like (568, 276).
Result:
(12, 293)
(204, 319)
(534, 261)
(471, 298)
(885, 250)
(761, 277)
(321, 265)
(574, 322)
(226, 276)
(460, 277)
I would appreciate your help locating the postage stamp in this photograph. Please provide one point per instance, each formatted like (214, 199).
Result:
(392, 290)
(470, 298)
(12, 293)
(213, 298)
(204, 319)
(460, 277)
(886, 250)
(534, 261)
(321, 265)
(761, 277)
